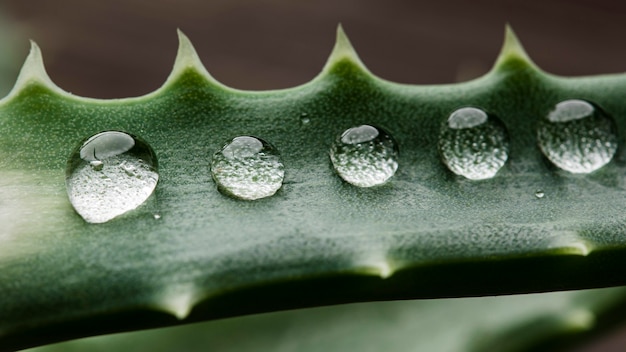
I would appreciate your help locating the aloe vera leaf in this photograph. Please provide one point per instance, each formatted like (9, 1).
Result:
(505, 324)
(427, 233)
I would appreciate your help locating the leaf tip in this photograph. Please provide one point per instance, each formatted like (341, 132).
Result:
(571, 244)
(512, 51)
(385, 270)
(343, 50)
(379, 267)
(342, 41)
(580, 248)
(33, 66)
(186, 51)
(33, 71)
(187, 58)
(180, 307)
(179, 303)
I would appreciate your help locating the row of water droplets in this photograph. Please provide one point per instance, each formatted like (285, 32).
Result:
(114, 172)
(576, 136)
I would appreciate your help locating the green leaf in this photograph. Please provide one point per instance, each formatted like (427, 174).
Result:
(505, 324)
(319, 240)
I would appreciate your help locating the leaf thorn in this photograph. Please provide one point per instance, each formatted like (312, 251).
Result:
(343, 50)
(33, 71)
(187, 59)
(512, 51)
(178, 302)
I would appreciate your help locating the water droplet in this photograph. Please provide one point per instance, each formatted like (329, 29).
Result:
(539, 194)
(365, 156)
(578, 136)
(474, 144)
(96, 165)
(304, 118)
(248, 168)
(157, 216)
(109, 174)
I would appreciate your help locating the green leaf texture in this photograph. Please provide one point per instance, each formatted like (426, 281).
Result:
(427, 233)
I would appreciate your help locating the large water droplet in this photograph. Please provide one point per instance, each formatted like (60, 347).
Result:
(578, 136)
(248, 168)
(109, 174)
(365, 156)
(474, 144)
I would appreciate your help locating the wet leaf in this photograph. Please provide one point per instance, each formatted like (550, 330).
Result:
(191, 252)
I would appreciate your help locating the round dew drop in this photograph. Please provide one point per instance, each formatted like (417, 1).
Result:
(473, 143)
(109, 174)
(248, 168)
(304, 118)
(365, 156)
(577, 136)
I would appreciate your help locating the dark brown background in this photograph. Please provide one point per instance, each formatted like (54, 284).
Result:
(120, 48)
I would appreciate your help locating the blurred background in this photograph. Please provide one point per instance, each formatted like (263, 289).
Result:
(115, 48)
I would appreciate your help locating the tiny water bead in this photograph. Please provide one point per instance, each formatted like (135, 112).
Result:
(365, 156)
(473, 143)
(304, 118)
(540, 194)
(577, 136)
(96, 165)
(109, 174)
(248, 168)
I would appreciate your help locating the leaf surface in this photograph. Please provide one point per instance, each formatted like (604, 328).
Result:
(427, 233)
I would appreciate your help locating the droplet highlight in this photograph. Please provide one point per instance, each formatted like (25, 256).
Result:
(365, 156)
(248, 168)
(540, 194)
(109, 174)
(577, 136)
(473, 143)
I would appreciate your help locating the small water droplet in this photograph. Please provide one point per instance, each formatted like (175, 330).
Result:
(99, 184)
(304, 118)
(539, 194)
(157, 216)
(96, 165)
(577, 136)
(248, 168)
(365, 156)
(473, 143)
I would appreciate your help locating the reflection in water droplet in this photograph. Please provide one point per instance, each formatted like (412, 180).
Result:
(248, 168)
(365, 156)
(474, 144)
(157, 216)
(539, 194)
(99, 184)
(578, 136)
